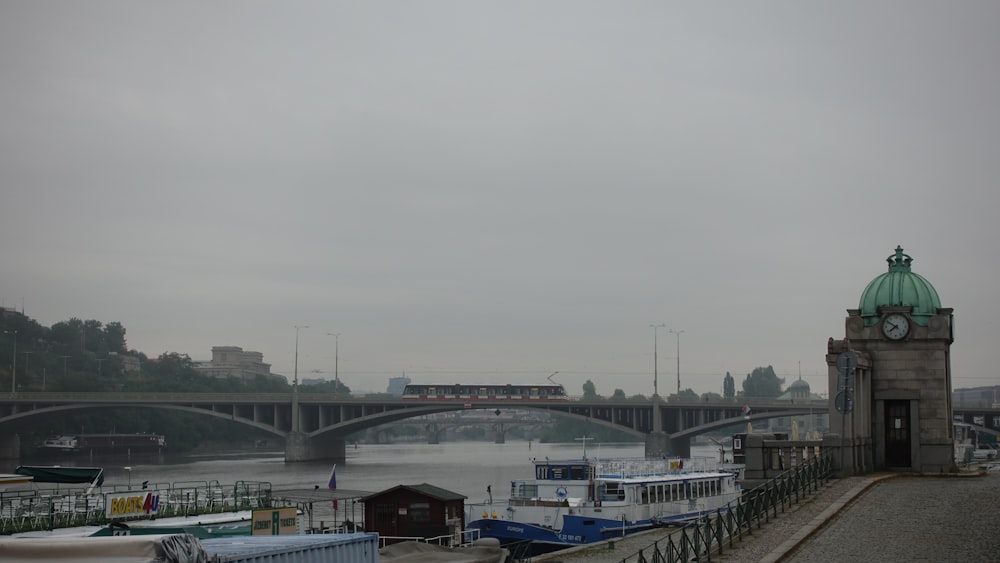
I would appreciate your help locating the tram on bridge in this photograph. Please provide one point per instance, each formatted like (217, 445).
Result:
(471, 393)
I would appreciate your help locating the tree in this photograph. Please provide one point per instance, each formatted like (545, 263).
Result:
(729, 387)
(711, 397)
(590, 391)
(762, 382)
(618, 395)
(688, 394)
(115, 337)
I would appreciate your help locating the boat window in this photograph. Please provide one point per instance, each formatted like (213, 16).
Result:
(525, 490)
(578, 472)
(541, 472)
(557, 471)
(659, 493)
(420, 512)
(645, 495)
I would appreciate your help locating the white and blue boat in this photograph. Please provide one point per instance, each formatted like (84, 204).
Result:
(577, 502)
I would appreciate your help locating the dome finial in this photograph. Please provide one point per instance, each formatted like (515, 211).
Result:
(899, 262)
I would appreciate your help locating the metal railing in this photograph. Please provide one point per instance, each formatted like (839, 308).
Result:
(712, 535)
(45, 509)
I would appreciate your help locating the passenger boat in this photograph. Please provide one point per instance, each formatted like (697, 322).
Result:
(577, 502)
(86, 444)
(59, 445)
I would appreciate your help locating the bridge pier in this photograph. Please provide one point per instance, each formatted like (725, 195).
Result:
(659, 444)
(299, 447)
(500, 437)
(433, 433)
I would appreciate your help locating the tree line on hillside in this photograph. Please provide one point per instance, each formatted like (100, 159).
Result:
(87, 356)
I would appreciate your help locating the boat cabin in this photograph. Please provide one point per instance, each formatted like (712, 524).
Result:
(408, 511)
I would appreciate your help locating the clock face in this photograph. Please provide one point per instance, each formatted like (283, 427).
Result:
(895, 326)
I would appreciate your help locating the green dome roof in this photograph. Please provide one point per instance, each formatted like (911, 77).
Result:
(799, 384)
(899, 287)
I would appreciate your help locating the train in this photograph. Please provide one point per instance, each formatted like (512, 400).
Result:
(474, 392)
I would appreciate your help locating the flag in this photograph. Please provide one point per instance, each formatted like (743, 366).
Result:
(332, 484)
(746, 409)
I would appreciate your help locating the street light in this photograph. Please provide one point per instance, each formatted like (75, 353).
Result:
(129, 469)
(678, 333)
(13, 366)
(295, 381)
(655, 370)
(26, 355)
(336, 360)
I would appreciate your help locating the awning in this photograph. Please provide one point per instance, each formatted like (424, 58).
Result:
(55, 474)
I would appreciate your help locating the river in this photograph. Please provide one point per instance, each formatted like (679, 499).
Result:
(462, 467)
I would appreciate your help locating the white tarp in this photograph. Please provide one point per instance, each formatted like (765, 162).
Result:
(417, 552)
(173, 548)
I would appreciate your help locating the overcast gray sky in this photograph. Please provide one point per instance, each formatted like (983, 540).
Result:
(495, 191)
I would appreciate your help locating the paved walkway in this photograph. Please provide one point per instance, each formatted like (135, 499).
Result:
(885, 516)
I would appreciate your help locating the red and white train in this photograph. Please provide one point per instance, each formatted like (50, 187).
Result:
(471, 392)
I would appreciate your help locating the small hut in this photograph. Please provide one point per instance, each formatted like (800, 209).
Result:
(409, 511)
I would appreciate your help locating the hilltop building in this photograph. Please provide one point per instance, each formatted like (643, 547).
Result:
(233, 361)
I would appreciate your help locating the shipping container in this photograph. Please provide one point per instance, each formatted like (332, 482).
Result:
(313, 548)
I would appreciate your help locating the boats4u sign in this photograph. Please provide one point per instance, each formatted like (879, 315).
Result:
(124, 505)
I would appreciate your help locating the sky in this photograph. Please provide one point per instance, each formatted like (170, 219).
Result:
(491, 192)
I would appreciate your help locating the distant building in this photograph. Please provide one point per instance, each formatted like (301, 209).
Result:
(130, 364)
(977, 397)
(233, 361)
(396, 385)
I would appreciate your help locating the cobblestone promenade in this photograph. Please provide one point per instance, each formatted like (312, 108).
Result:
(872, 518)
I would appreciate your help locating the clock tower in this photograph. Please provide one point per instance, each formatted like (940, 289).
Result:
(891, 376)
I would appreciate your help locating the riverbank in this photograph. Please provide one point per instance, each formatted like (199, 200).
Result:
(901, 518)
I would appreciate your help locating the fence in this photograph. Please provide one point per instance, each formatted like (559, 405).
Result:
(713, 535)
(43, 509)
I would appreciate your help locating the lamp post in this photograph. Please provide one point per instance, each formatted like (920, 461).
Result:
(655, 361)
(129, 469)
(26, 355)
(678, 333)
(336, 360)
(13, 365)
(295, 380)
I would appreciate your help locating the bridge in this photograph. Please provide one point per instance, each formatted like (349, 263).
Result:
(498, 422)
(315, 426)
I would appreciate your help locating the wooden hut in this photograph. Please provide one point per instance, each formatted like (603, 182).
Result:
(415, 511)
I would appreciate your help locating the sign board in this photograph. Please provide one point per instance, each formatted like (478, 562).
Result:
(847, 360)
(844, 402)
(128, 505)
(275, 521)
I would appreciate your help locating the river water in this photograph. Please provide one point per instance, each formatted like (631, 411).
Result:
(467, 468)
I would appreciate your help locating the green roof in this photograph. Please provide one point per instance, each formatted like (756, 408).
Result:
(899, 287)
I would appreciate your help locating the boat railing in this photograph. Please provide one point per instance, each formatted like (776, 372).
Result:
(41, 509)
(643, 467)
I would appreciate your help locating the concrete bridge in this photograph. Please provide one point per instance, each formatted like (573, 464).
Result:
(315, 426)
(436, 426)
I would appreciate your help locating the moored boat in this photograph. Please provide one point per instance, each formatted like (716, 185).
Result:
(577, 502)
(59, 445)
(109, 444)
